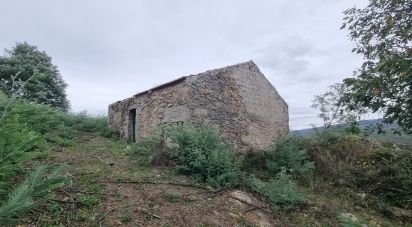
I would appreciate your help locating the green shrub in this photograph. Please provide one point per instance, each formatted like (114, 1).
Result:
(280, 192)
(36, 189)
(383, 173)
(37, 117)
(386, 174)
(85, 123)
(288, 155)
(145, 149)
(17, 145)
(200, 154)
(23, 128)
(335, 154)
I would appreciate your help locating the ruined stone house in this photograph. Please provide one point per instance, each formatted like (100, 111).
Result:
(237, 100)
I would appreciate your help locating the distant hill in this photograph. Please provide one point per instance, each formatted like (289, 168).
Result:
(388, 136)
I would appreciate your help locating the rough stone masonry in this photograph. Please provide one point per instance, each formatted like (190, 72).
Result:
(237, 100)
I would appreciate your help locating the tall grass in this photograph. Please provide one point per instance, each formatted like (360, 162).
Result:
(26, 132)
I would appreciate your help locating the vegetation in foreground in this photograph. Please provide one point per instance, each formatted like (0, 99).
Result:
(293, 174)
(28, 134)
(328, 179)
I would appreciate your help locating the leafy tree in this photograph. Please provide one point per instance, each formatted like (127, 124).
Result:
(331, 108)
(383, 35)
(44, 83)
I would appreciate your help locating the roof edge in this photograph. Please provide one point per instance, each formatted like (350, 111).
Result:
(249, 63)
(170, 83)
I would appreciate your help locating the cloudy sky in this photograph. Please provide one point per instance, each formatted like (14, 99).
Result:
(110, 50)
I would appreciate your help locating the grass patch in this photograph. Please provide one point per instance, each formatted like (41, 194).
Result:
(89, 201)
(281, 192)
(171, 197)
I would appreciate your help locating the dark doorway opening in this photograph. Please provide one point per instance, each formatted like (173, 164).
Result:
(132, 125)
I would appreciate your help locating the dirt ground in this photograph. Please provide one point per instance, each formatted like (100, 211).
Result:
(110, 189)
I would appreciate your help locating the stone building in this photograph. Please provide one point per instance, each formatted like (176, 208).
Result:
(237, 100)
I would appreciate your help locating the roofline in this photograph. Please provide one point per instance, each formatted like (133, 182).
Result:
(170, 83)
(181, 79)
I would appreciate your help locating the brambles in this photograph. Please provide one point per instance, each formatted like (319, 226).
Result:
(280, 192)
(386, 174)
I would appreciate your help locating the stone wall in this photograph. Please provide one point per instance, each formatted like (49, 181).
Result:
(242, 104)
(265, 110)
(152, 108)
(216, 102)
(237, 100)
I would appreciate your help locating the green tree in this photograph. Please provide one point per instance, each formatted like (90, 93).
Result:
(44, 82)
(383, 35)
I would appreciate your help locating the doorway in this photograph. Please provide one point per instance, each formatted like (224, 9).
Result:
(132, 125)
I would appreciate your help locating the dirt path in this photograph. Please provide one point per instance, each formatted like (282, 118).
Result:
(102, 193)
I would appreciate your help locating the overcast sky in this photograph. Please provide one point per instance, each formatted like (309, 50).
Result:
(110, 50)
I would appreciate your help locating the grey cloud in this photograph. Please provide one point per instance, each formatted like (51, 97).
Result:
(289, 55)
(109, 50)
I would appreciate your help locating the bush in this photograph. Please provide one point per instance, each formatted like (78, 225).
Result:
(146, 149)
(22, 138)
(280, 192)
(18, 143)
(335, 154)
(289, 155)
(39, 118)
(200, 154)
(85, 123)
(386, 174)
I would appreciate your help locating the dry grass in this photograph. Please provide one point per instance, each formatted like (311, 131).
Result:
(106, 191)
(98, 165)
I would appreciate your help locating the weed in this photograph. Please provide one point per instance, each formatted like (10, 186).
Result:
(126, 216)
(171, 197)
(83, 216)
(89, 201)
(349, 220)
(280, 192)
